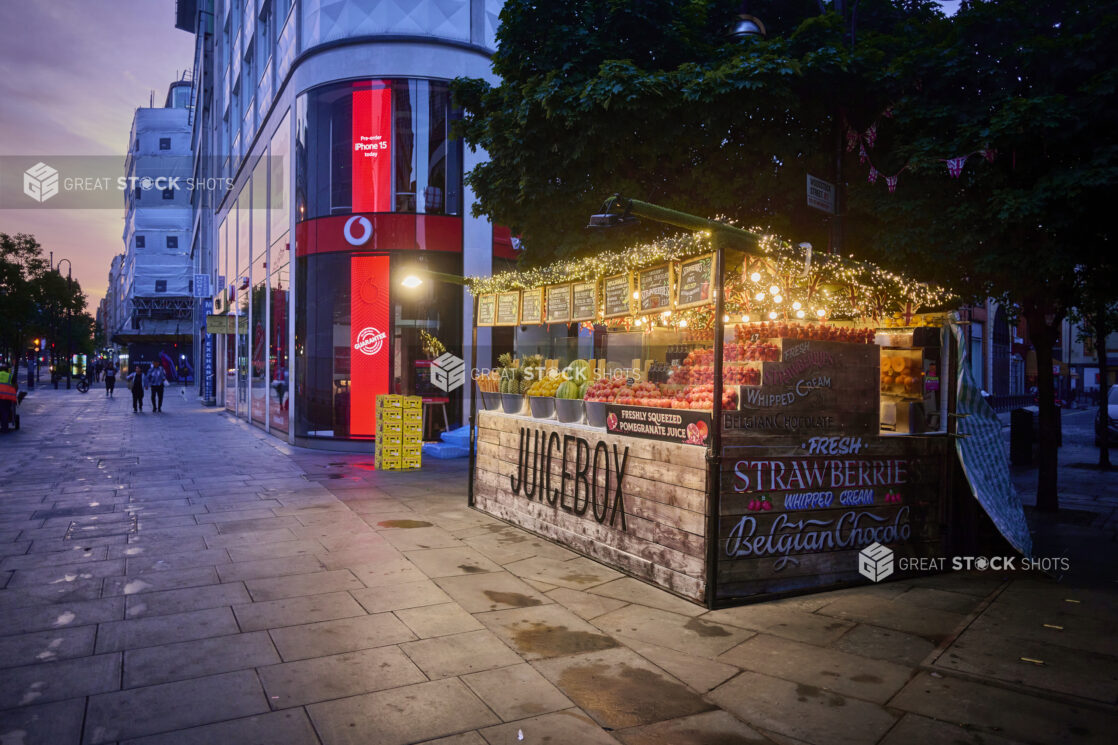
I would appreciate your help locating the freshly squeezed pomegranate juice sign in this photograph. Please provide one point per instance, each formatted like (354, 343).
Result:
(670, 425)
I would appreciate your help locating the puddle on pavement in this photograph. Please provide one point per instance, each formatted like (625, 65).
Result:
(583, 579)
(864, 678)
(404, 524)
(471, 569)
(515, 599)
(706, 628)
(554, 641)
(625, 696)
(804, 692)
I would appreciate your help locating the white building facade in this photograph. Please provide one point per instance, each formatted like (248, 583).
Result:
(330, 121)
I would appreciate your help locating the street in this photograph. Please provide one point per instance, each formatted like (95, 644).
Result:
(184, 577)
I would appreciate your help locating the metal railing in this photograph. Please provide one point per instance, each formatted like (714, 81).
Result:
(1006, 403)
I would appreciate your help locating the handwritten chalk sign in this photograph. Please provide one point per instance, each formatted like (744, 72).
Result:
(508, 309)
(654, 288)
(531, 306)
(584, 301)
(696, 282)
(486, 310)
(559, 304)
(618, 293)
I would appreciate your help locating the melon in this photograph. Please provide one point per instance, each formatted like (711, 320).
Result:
(582, 389)
(568, 389)
(578, 371)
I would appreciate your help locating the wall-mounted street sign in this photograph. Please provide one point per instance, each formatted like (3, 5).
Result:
(202, 285)
(820, 194)
(221, 324)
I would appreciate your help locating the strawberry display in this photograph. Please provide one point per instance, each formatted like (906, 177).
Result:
(813, 331)
(664, 396)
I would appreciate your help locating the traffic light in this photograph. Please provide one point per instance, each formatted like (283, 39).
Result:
(36, 344)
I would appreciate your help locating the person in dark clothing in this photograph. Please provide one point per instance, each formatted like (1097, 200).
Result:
(155, 380)
(136, 379)
(110, 379)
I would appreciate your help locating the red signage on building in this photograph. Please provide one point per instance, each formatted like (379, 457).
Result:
(372, 148)
(369, 325)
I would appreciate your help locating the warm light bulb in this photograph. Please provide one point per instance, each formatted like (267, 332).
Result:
(799, 314)
(772, 315)
(665, 314)
(774, 290)
(683, 323)
(778, 298)
(820, 312)
(636, 296)
(796, 305)
(745, 319)
(755, 277)
(640, 321)
(725, 319)
(411, 281)
(759, 296)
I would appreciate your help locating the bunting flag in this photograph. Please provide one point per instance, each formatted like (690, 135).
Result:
(871, 135)
(863, 156)
(888, 113)
(955, 166)
(909, 312)
(872, 178)
(851, 138)
(891, 182)
(989, 154)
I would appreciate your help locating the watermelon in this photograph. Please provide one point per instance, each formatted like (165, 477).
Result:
(583, 388)
(567, 389)
(578, 371)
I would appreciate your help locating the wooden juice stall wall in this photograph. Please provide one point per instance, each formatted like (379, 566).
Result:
(635, 504)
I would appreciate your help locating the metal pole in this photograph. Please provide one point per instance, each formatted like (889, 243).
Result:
(473, 406)
(714, 454)
(69, 327)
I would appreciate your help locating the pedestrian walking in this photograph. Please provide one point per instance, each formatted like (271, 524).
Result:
(9, 396)
(110, 379)
(155, 381)
(136, 380)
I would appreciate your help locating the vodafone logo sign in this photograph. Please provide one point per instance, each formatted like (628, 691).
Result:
(370, 341)
(358, 230)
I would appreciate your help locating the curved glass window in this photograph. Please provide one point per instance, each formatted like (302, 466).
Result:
(377, 146)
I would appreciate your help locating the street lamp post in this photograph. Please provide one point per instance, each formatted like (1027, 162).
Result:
(69, 319)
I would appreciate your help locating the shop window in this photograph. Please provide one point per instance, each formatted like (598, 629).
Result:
(140, 241)
(168, 194)
(172, 241)
(137, 193)
(164, 143)
(160, 285)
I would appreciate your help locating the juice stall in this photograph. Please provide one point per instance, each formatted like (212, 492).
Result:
(729, 425)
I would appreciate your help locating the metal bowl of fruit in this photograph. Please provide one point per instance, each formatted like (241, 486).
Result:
(568, 410)
(543, 407)
(596, 413)
(491, 400)
(512, 403)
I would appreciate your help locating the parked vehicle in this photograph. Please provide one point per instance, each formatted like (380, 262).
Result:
(1112, 417)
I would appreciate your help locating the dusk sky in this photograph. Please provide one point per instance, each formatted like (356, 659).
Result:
(72, 72)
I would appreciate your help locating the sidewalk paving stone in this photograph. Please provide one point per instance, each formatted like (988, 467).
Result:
(338, 676)
(545, 631)
(459, 654)
(398, 597)
(570, 726)
(517, 692)
(340, 635)
(63, 614)
(884, 644)
(171, 579)
(59, 680)
(437, 620)
(277, 588)
(67, 573)
(46, 646)
(687, 634)
(253, 539)
(197, 658)
(113, 636)
(272, 614)
(699, 729)
(490, 591)
(700, 673)
(287, 727)
(632, 590)
(401, 715)
(46, 724)
(166, 602)
(263, 568)
(163, 562)
(171, 706)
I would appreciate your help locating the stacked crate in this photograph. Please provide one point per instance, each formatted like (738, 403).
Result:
(399, 441)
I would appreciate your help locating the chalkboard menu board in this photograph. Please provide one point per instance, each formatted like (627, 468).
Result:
(508, 308)
(486, 310)
(559, 304)
(655, 289)
(584, 301)
(531, 306)
(618, 292)
(696, 281)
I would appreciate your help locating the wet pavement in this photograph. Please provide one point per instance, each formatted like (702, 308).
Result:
(185, 578)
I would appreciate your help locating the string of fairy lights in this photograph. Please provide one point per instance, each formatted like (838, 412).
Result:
(775, 281)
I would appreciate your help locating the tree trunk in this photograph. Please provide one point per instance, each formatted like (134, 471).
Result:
(1043, 337)
(1101, 331)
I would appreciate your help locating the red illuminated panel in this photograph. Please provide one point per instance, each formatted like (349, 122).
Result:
(372, 148)
(368, 340)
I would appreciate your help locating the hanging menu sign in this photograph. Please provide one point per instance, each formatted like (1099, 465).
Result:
(584, 301)
(654, 287)
(618, 291)
(559, 304)
(486, 310)
(696, 281)
(508, 309)
(531, 306)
